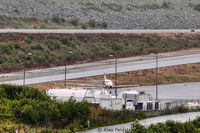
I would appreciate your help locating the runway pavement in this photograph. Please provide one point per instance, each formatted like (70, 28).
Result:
(101, 67)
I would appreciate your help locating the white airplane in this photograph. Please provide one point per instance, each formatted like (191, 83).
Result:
(108, 82)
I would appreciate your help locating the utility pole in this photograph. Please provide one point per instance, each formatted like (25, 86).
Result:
(115, 76)
(65, 73)
(29, 54)
(115, 58)
(65, 63)
(24, 69)
(156, 75)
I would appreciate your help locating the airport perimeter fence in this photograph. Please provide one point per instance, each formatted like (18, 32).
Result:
(179, 102)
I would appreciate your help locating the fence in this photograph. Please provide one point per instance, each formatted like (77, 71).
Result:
(179, 102)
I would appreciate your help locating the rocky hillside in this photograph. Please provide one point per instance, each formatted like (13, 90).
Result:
(117, 14)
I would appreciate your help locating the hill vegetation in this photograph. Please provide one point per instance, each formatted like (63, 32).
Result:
(51, 49)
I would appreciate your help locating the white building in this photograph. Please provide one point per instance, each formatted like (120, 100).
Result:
(79, 94)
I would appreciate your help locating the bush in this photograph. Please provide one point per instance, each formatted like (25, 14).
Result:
(166, 4)
(64, 40)
(6, 48)
(75, 22)
(13, 92)
(175, 127)
(36, 46)
(159, 128)
(39, 58)
(29, 115)
(104, 25)
(46, 131)
(84, 26)
(196, 122)
(57, 19)
(52, 45)
(2, 93)
(197, 7)
(137, 128)
(83, 110)
(189, 127)
(92, 23)
(116, 46)
(16, 45)
(32, 93)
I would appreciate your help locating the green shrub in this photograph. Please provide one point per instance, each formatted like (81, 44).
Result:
(83, 110)
(189, 127)
(74, 21)
(40, 58)
(32, 93)
(17, 46)
(51, 44)
(29, 40)
(159, 128)
(29, 115)
(2, 93)
(2, 59)
(104, 25)
(175, 127)
(6, 48)
(196, 122)
(20, 92)
(46, 130)
(57, 19)
(166, 4)
(197, 7)
(116, 46)
(64, 40)
(92, 23)
(11, 91)
(137, 128)
(36, 46)
(43, 26)
(84, 26)
(113, 6)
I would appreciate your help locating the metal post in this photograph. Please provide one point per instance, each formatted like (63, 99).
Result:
(65, 63)
(156, 76)
(116, 77)
(24, 68)
(65, 74)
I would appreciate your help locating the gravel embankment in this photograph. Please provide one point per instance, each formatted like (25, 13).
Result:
(118, 14)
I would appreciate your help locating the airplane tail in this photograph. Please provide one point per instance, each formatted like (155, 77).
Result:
(105, 77)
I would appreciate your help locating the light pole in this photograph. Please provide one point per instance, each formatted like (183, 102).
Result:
(29, 54)
(157, 76)
(70, 52)
(115, 74)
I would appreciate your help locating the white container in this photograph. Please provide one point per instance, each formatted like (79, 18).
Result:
(112, 104)
(129, 106)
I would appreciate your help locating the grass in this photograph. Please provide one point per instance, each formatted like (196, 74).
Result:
(163, 5)
(113, 6)
(167, 75)
(54, 22)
